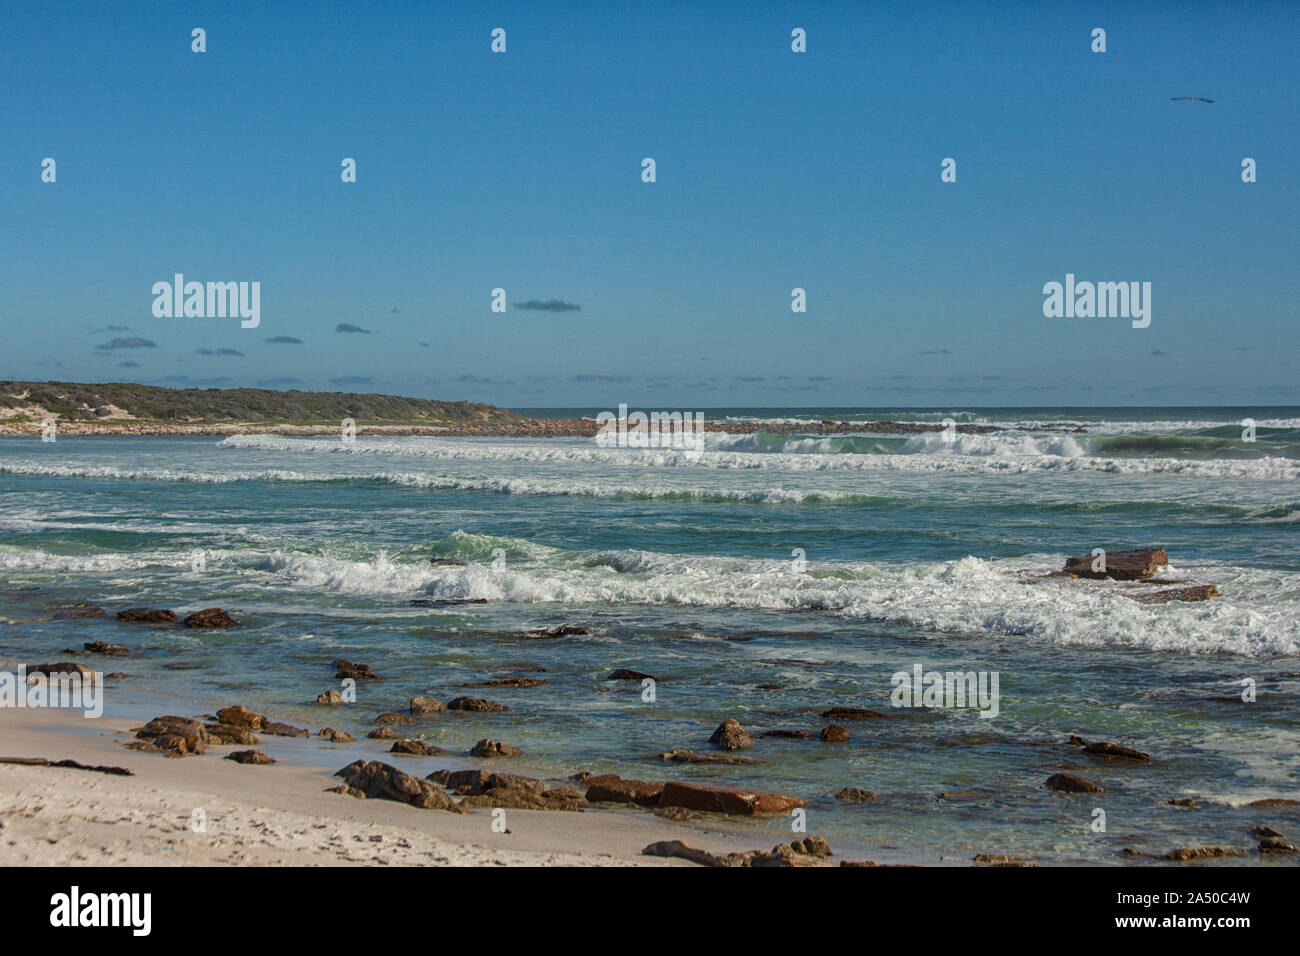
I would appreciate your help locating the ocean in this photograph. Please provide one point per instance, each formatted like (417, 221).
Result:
(769, 578)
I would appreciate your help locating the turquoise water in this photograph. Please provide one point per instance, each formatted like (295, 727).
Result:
(914, 551)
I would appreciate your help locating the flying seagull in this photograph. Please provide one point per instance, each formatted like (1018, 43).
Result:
(1192, 99)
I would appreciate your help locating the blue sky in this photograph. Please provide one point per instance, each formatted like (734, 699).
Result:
(775, 170)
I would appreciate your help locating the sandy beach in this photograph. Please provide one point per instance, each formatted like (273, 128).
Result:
(274, 815)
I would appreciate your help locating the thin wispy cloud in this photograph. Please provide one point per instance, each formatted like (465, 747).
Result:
(129, 343)
(349, 327)
(550, 305)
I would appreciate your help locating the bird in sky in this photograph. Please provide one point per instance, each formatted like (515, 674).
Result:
(1192, 99)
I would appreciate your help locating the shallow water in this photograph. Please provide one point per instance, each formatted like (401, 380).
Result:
(916, 551)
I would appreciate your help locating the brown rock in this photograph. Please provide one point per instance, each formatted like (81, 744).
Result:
(1201, 853)
(611, 788)
(426, 705)
(99, 647)
(812, 846)
(383, 733)
(210, 617)
(1265, 833)
(345, 669)
(283, 730)
(220, 733)
(1274, 802)
(59, 670)
(507, 682)
(1184, 802)
(692, 756)
(146, 615)
(415, 748)
(731, 736)
(394, 718)
(476, 705)
(1134, 565)
(487, 747)
(329, 698)
(1275, 845)
(1104, 748)
(855, 795)
(1199, 592)
(834, 734)
(676, 814)
(1072, 783)
(241, 716)
(336, 736)
(384, 781)
(178, 735)
(716, 800)
(347, 791)
(250, 756)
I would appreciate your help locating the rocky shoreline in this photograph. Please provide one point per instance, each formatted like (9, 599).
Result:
(533, 428)
(491, 788)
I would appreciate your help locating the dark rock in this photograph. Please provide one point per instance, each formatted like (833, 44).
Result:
(834, 734)
(1134, 565)
(1184, 802)
(624, 674)
(99, 647)
(717, 800)
(426, 705)
(384, 781)
(220, 733)
(445, 602)
(507, 682)
(476, 705)
(383, 733)
(330, 698)
(283, 730)
(853, 713)
(1201, 853)
(58, 669)
(147, 615)
(676, 814)
(1072, 783)
(1274, 802)
(345, 669)
(789, 734)
(856, 795)
(210, 617)
(336, 736)
(1104, 748)
(415, 748)
(1274, 845)
(487, 747)
(250, 756)
(1199, 592)
(447, 562)
(692, 756)
(1265, 833)
(731, 736)
(561, 630)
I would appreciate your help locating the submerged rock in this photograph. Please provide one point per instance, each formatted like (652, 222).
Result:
(100, 647)
(383, 733)
(1199, 592)
(487, 747)
(1104, 748)
(345, 669)
(476, 705)
(1072, 783)
(692, 756)
(330, 698)
(507, 682)
(834, 734)
(336, 736)
(78, 611)
(855, 795)
(623, 673)
(394, 718)
(561, 630)
(731, 736)
(853, 713)
(611, 788)
(210, 617)
(415, 748)
(147, 615)
(1183, 854)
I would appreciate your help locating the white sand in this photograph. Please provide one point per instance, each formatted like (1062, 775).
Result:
(278, 815)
